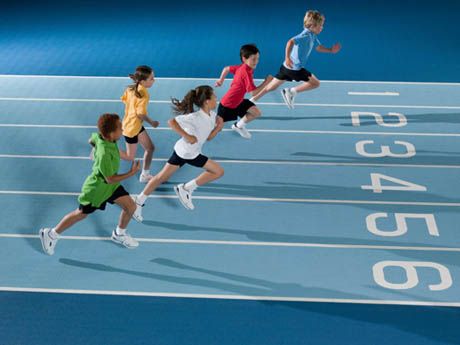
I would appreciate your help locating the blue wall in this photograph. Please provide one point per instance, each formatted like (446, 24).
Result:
(384, 40)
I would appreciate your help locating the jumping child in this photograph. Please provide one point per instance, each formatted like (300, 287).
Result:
(298, 49)
(233, 104)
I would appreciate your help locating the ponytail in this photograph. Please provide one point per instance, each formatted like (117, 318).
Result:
(196, 97)
(142, 73)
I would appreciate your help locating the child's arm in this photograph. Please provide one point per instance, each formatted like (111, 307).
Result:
(224, 73)
(124, 155)
(179, 130)
(145, 118)
(217, 128)
(118, 178)
(259, 88)
(334, 49)
(288, 50)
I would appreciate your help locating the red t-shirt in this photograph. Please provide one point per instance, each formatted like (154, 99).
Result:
(243, 81)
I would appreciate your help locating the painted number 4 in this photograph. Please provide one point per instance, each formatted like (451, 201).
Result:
(377, 187)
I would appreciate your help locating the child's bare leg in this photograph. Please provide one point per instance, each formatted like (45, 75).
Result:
(128, 207)
(273, 85)
(163, 176)
(252, 114)
(70, 219)
(131, 151)
(311, 84)
(149, 148)
(212, 172)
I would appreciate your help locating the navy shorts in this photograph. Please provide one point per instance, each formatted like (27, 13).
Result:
(287, 74)
(135, 139)
(198, 161)
(119, 192)
(229, 114)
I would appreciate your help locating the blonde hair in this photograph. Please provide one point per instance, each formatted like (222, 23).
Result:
(312, 18)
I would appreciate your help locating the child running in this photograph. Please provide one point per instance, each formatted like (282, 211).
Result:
(136, 99)
(298, 49)
(195, 128)
(102, 186)
(233, 104)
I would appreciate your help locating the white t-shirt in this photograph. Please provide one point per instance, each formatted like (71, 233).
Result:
(198, 124)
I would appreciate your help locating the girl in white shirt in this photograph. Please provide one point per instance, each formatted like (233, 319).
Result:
(195, 128)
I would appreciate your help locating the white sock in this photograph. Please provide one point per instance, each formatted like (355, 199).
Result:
(293, 91)
(191, 185)
(140, 200)
(119, 231)
(241, 123)
(53, 234)
(146, 172)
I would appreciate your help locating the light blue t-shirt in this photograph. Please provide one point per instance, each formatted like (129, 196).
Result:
(303, 45)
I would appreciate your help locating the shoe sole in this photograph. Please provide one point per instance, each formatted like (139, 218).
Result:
(241, 135)
(137, 219)
(141, 219)
(286, 100)
(42, 240)
(121, 243)
(176, 190)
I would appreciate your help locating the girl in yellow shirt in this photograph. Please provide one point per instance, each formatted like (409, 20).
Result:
(136, 99)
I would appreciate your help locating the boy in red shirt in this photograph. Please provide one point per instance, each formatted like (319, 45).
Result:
(233, 104)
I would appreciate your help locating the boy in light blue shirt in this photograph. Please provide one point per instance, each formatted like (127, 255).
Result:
(298, 49)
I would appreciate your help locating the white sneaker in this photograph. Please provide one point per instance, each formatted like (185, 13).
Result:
(137, 215)
(144, 178)
(241, 131)
(185, 196)
(288, 97)
(125, 240)
(48, 243)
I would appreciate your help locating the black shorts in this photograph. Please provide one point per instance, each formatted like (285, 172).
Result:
(198, 161)
(229, 114)
(119, 192)
(135, 139)
(290, 74)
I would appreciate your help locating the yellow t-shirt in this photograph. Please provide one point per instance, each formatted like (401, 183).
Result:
(134, 106)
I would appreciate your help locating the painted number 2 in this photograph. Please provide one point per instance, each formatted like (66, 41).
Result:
(378, 118)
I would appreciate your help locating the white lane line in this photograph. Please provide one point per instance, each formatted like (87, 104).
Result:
(249, 243)
(24, 99)
(266, 162)
(229, 297)
(215, 78)
(386, 93)
(256, 199)
(288, 131)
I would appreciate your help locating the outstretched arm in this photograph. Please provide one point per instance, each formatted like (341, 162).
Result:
(217, 128)
(259, 88)
(224, 73)
(147, 119)
(118, 178)
(334, 49)
(179, 130)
